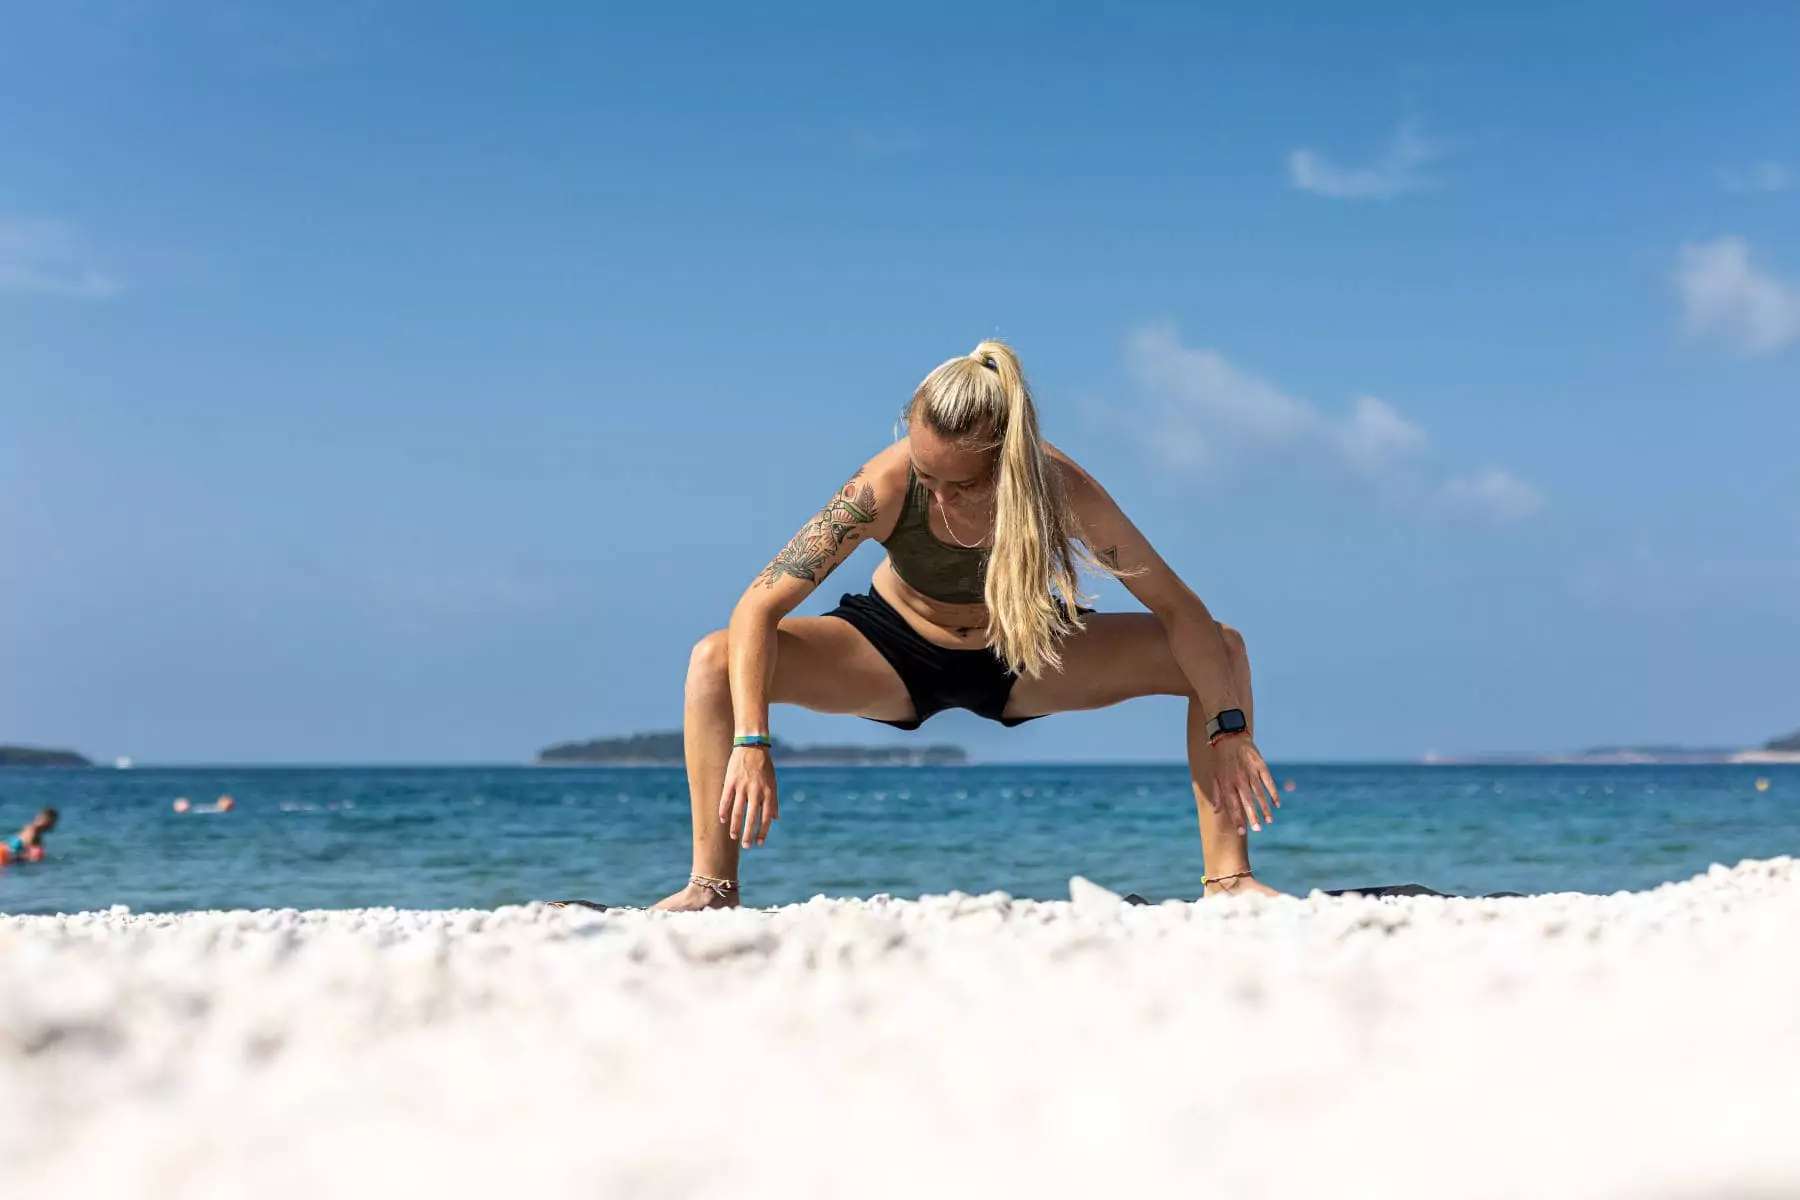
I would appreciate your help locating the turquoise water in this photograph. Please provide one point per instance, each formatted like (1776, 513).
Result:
(454, 837)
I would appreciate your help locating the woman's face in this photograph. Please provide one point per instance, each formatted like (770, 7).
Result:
(959, 479)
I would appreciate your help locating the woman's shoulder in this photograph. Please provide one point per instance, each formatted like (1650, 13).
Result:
(880, 487)
(1076, 481)
(890, 471)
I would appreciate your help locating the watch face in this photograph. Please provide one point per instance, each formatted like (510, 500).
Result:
(1231, 720)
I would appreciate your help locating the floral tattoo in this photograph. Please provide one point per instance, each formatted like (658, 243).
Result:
(809, 556)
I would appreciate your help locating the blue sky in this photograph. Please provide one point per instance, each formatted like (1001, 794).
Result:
(407, 381)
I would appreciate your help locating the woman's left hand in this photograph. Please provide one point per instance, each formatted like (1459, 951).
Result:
(1241, 782)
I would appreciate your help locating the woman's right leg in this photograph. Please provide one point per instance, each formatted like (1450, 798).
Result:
(821, 663)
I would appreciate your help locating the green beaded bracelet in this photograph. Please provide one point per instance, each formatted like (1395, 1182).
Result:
(752, 739)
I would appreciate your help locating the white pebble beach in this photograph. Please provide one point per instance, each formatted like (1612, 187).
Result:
(1642, 1044)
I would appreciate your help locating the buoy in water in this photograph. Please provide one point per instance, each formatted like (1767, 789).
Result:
(1762, 785)
(226, 803)
(1288, 786)
(181, 804)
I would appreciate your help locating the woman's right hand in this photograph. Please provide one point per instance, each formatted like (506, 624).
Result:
(1242, 783)
(749, 802)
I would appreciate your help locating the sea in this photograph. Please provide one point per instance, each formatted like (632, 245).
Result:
(476, 837)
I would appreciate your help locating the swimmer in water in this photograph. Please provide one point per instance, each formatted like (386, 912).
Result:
(27, 845)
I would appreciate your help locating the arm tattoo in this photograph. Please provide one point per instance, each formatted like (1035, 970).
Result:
(1109, 556)
(809, 556)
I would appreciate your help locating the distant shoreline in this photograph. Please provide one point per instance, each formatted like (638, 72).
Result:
(39, 756)
(1775, 751)
(1736, 758)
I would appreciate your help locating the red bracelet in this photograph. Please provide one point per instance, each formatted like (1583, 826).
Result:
(1230, 733)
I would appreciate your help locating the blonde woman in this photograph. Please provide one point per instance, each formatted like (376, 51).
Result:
(985, 526)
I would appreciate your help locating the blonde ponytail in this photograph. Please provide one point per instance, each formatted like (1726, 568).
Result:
(982, 400)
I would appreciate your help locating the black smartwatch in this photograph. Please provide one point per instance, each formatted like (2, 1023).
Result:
(1230, 721)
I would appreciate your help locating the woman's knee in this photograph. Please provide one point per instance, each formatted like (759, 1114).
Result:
(710, 663)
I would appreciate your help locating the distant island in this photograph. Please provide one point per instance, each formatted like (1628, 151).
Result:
(665, 750)
(1776, 750)
(31, 756)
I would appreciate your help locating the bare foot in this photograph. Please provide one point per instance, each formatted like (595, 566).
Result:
(1247, 885)
(694, 897)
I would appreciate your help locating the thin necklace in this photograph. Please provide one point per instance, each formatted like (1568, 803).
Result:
(951, 530)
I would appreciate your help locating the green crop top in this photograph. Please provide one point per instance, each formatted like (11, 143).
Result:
(928, 564)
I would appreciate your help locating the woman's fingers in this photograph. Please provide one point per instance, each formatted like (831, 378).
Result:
(1257, 789)
(770, 810)
(1248, 796)
(1243, 789)
(758, 810)
(1217, 799)
(1226, 802)
(1258, 785)
(731, 809)
(1263, 784)
(1232, 793)
(1233, 803)
(752, 813)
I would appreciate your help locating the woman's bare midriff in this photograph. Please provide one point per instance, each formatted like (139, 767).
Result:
(953, 626)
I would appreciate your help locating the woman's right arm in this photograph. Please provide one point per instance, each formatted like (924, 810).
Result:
(864, 509)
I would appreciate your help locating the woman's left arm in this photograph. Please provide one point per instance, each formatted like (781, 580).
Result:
(1195, 638)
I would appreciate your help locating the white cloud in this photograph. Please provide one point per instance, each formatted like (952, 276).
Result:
(1399, 170)
(1204, 399)
(1375, 437)
(1758, 178)
(1726, 298)
(1206, 408)
(47, 256)
(1494, 493)
(1205, 415)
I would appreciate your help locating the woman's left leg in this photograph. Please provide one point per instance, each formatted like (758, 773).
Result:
(1121, 656)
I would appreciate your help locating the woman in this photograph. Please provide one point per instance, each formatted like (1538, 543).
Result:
(975, 607)
(27, 845)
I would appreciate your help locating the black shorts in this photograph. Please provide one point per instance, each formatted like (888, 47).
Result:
(936, 678)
